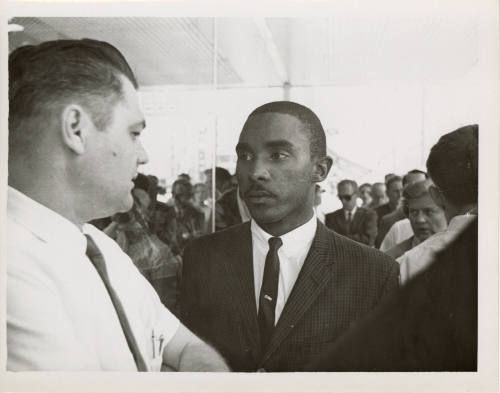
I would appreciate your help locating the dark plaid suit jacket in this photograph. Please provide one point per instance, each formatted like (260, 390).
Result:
(340, 282)
(431, 325)
(363, 227)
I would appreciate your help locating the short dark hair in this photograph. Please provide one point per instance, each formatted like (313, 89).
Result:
(413, 172)
(388, 176)
(222, 175)
(44, 77)
(393, 179)
(142, 181)
(153, 180)
(453, 165)
(346, 182)
(316, 133)
(148, 183)
(184, 176)
(414, 191)
(184, 183)
(365, 185)
(417, 189)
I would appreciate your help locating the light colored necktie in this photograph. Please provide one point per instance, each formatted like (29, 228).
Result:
(97, 259)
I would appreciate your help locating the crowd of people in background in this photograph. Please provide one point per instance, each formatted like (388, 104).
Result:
(154, 233)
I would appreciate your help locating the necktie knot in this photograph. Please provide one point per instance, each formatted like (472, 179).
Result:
(275, 243)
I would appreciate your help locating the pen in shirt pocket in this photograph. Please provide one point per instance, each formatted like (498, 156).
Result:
(153, 342)
(160, 340)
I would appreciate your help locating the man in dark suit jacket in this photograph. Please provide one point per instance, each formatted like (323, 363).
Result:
(394, 186)
(430, 326)
(270, 293)
(230, 210)
(357, 223)
(227, 211)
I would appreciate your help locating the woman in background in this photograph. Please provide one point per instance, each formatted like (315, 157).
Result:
(426, 218)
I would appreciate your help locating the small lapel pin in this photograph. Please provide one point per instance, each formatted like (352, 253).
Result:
(267, 297)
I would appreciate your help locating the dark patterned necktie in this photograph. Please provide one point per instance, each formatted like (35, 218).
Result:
(269, 292)
(97, 259)
(349, 221)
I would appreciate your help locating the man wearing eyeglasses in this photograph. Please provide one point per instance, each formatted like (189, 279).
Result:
(357, 223)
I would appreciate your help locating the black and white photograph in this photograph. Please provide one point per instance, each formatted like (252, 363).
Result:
(285, 196)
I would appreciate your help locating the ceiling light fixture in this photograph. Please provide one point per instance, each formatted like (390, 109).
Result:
(14, 27)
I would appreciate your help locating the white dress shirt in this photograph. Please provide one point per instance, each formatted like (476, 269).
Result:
(59, 314)
(399, 232)
(292, 254)
(418, 258)
(319, 213)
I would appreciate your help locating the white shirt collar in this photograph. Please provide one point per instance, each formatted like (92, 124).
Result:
(293, 240)
(292, 255)
(353, 211)
(43, 222)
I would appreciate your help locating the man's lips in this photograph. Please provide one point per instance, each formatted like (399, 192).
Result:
(258, 193)
(422, 231)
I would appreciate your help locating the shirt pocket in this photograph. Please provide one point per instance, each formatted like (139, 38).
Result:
(156, 347)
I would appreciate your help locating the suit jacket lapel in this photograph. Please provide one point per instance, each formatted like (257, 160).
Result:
(311, 281)
(238, 258)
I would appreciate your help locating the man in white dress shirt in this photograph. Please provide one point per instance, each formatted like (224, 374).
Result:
(74, 149)
(400, 231)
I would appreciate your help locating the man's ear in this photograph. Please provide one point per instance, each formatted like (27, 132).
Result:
(437, 196)
(321, 168)
(75, 127)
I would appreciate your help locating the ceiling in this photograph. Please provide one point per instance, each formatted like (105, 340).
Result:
(379, 61)
(336, 50)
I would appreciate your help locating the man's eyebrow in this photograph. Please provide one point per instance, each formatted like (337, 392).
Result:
(140, 124)
(283, 143)
(278, 143)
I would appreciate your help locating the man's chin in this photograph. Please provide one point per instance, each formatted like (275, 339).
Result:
(265, 216)
(126, 204)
